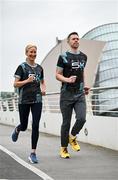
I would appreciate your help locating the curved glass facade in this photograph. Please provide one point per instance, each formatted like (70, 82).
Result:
(107, 74)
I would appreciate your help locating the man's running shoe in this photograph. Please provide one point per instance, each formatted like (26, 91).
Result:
(74, 144)
(15, 135)
(64, 152)
(32, 158)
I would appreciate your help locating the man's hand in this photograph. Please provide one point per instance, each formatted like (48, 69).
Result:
(72, 79)
(86, 90)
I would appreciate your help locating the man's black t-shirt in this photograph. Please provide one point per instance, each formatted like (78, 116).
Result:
(30, 92)
(73, 65)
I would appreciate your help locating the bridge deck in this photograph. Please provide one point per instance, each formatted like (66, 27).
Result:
(92, 162)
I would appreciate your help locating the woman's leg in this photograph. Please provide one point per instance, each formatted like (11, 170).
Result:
(36, 110)
(24, 110)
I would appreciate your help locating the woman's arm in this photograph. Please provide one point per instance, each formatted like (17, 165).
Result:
(18, 83)
(43, 87)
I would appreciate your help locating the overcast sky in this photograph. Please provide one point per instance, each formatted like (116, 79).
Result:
(40, 22)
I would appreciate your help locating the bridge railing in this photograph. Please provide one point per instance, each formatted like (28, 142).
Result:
(100, 101)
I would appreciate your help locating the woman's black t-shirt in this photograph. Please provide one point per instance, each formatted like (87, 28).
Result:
(30, 92)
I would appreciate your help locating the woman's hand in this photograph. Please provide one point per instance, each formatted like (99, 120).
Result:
(31, 78)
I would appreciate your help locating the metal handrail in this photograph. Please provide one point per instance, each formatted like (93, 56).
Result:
(96, 104)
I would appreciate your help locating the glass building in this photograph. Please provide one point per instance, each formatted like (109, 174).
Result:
(107, 74)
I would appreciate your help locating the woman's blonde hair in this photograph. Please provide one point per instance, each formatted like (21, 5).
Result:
(29, 46)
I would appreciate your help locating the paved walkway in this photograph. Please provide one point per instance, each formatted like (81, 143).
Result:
(91, 163)
(10, 169)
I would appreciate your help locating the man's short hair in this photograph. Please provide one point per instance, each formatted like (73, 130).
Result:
(72, 33)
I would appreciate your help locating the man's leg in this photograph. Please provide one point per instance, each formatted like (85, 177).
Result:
(80, 111)
(66, 110)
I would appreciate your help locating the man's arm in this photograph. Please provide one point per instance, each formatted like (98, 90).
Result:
(86, 88)
(60, 77)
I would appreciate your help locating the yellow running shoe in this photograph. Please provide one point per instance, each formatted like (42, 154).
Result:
(64, 152)
(74, 144)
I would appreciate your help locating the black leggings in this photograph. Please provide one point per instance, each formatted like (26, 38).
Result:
(24, 110)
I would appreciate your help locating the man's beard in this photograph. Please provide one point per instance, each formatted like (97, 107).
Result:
(75, 46)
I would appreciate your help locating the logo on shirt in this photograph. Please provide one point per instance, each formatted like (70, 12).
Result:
(77, 65)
